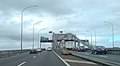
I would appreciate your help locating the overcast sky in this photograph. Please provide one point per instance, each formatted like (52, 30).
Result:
(75, 16)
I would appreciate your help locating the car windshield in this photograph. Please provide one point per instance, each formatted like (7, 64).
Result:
(98, 47)
(82, 47)
(102, 47)
(49, 47)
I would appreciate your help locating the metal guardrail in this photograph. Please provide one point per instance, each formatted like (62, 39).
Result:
(115, 51)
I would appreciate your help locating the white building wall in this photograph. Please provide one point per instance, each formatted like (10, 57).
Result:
(69, 44)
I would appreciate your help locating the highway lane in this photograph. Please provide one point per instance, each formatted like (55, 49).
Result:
(45, 58)
(15, 60)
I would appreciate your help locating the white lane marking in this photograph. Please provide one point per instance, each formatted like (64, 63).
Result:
(34, 56)
(76, 61)
(61, 59)
(21, 64)
(103, 56)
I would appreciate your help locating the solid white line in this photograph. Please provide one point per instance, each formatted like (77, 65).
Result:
(103, 56)
(34, 56)
(77, 61)
(61, 58)
(21, 64)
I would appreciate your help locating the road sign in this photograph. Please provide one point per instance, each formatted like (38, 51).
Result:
(44, 38)
(63, 41)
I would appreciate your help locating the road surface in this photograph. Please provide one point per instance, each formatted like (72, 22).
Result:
(45, 58)
(76, 61)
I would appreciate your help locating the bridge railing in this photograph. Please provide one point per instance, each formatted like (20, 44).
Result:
(115, 51)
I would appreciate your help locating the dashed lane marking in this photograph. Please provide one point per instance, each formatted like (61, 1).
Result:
(21, 64)
(34, 56)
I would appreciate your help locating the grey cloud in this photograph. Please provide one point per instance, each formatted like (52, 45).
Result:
(68, 14)
(54, 7)
(12, 31)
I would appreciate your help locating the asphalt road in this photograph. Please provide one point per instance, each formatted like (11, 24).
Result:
(76, 61)
(45, 58)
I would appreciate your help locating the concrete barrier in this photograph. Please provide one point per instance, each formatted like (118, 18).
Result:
(9, 53)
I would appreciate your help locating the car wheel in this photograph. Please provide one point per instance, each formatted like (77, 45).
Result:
(91, 52)
(96, 52)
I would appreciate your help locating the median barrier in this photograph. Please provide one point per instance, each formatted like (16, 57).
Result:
(96, 60)
(9, 53)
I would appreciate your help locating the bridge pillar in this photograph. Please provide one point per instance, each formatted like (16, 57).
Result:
(75, 44)
(53, 38)
(78, 43)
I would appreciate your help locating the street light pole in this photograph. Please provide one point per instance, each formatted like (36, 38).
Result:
(95, 35)
(91, 36)
(112, 33)
(33, 33)
(22, 23)
(39, 37)
(39, 42)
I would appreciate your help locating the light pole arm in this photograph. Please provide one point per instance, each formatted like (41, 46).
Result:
(27, 8)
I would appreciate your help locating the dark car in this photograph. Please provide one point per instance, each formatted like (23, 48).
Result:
(99, 50)
(33, 51)
(75, 49)
(43, 48)
(81, 49)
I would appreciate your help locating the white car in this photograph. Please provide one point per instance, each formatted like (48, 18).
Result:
(39, 49)
(49, 49)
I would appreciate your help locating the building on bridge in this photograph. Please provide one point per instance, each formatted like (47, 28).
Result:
(67, 40)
